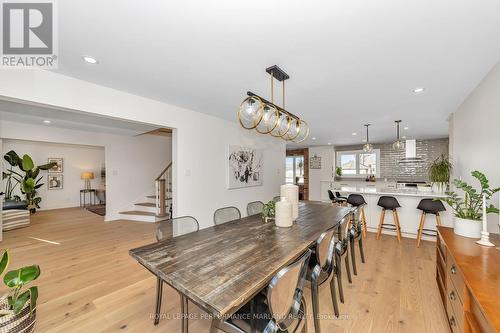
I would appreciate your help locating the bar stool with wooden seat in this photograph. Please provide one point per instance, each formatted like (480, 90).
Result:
(357, 200)
(389, 203)
(429, 206)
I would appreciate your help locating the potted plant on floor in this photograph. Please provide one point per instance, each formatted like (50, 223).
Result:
(18, 307)
(439, 173)
(29, 184)
(468, 209)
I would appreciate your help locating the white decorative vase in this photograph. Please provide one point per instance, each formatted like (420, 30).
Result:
(284, 213)
(291, 193)
(468, 228)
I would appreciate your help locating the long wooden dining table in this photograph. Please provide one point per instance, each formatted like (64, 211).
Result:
(222, 267)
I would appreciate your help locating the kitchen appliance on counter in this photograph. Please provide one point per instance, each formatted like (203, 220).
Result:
(409, 184)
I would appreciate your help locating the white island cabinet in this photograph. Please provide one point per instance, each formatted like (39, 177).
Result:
(409, 215)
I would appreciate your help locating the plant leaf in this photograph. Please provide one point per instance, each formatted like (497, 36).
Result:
(33, 298)
(4, 262)
(20, 301)
(29, 273)
(27, 163)
(47, 166)
(12, 278)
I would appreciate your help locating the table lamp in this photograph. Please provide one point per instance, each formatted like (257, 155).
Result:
(87, 176)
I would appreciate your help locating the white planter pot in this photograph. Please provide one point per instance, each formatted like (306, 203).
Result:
(468, 228)
(439, 187)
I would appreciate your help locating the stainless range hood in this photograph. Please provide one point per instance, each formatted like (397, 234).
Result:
(411, 153)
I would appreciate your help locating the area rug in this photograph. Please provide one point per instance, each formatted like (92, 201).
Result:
(97, 209)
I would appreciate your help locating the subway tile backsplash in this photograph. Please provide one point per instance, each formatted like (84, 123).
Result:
(390, 168)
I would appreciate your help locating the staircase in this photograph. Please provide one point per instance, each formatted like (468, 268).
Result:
(155, 207)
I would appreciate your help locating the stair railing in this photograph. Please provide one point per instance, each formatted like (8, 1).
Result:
(163, 185)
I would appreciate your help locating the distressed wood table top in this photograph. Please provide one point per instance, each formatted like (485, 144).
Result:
(222, 267)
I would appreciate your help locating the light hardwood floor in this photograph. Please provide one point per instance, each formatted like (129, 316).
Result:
(90, 284)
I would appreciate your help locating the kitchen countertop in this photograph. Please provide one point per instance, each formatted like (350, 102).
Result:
(389, 191)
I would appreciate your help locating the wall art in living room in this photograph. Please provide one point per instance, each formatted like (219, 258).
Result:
(55, 182)
(58, 168)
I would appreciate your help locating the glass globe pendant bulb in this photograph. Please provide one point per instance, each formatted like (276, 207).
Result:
(269, 120)
(368, 147)
(250, 112)
(398, 144)
(303, 132)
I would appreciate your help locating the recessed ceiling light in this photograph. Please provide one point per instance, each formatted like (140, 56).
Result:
(354, 133)
(406, 128)
(364, 140)
(404, 136)
(90, 60)
(418, 90)
(329, 143)
(46, 121)
(314, 138)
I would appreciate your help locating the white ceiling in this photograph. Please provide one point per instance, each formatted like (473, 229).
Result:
(350, 62)
(36, 114)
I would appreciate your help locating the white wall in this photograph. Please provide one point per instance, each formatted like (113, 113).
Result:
(200, 141)
(76, 159)
(132, 162)
(327, 171)
(475, 135)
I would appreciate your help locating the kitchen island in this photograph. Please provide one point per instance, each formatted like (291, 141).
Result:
(409, 215)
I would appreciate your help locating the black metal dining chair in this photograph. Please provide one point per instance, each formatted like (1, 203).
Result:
(254, 208)
(226, 214)
(168, 229)
(356, 234)
(342, 252)
(321, 269)
(280, 308)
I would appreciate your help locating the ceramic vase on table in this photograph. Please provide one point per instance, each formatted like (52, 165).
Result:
(284, 212)
(291, 193)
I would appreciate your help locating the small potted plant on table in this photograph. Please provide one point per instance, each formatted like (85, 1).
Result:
(468, 209)
(18, 307)
(269, 211)
(439, 173)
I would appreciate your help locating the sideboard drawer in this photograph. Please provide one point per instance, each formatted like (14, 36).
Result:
(455, 276)
(454, 305)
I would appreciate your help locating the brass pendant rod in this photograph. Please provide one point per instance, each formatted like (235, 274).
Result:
(283, 94)
(251, 94)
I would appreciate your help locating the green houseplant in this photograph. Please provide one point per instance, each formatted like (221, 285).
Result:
(338, 171)
(28, 179)
(440, 172)
(269, 211)
(468, 208)
(18, 307)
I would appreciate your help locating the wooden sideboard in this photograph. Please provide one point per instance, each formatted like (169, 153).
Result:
(468, 278)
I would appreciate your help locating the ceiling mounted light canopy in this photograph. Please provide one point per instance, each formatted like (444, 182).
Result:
(367, 147)
(398, 144)
(266, 117)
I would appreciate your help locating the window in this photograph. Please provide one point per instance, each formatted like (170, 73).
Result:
(357, 163)
(294, 170)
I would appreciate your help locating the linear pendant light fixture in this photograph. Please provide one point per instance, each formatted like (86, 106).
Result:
(266, 117)
(398, 144)
(367, 147)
